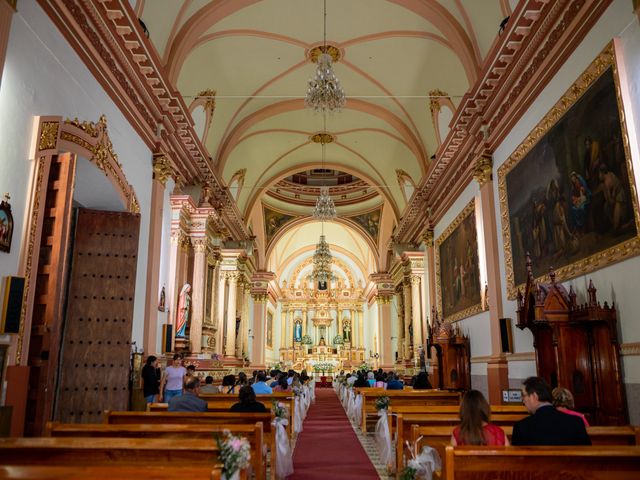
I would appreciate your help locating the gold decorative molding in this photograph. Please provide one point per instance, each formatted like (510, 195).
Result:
(333, 51)
(162, 170)
(384, 299)
(322, 138)
(210, 104)
(427, 237)
(48, 135)
(509, 357)
(483, 168)
(260, 297)
(467, 312)
(434, 100)
(199, 245)
(605, 60)
(630, 349)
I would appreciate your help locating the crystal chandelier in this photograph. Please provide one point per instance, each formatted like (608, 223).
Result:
(324, 92)
(322, 261)
(325, 208)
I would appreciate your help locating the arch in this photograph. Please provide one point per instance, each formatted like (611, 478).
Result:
(237, 182)
(341, 265)
(206, 100)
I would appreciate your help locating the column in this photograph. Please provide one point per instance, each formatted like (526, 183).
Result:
(230, 346)
(384, 320)
(497, 366)
(161, 173)
(259, 321)
(430, 273)
(284, 313)
(197, 299)
(360, 317)
(416, 313)
(304, 322)
(340, 313)
(400, 324)
(175, 267)
(219, 313)
(406, 298)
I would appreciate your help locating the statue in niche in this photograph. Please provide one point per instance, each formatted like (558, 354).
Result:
(161, 303)
(322, 343)
(184, 306)
(297, 332)
(347, 332)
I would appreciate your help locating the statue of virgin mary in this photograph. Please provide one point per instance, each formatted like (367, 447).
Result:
(184, 305)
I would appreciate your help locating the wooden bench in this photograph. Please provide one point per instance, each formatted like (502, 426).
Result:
(253, 433)
(207, 418)
(112, 472)
(440, 438)
(105, 452)
(514, 463)
(444, 417)
(405, 398)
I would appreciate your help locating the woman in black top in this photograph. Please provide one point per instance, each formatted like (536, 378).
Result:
(422, 382)
(248, 402)
(151, 379)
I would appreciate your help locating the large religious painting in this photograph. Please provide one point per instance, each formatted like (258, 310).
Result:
(269, 330)
(370, 221)
(565, 193)
(457, 268)
(273, 221)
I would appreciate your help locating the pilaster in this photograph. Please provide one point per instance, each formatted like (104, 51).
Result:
(199, 284)
(230, 343)
(384, 297)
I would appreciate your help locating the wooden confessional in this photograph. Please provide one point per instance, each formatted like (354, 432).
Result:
(450, 355)
(576, 347)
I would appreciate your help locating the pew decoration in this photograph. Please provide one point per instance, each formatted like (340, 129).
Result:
(450, 353)
(284, 465)
(576, 346)
(235, 454)
(423, 466)
(383, 434)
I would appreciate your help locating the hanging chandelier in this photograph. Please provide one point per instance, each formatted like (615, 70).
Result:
(325, 208)
(325, 93)
(322, 261)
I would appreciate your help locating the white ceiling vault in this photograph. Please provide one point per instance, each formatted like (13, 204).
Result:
(255, 55)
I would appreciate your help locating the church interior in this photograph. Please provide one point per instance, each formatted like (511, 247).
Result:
(439, 186)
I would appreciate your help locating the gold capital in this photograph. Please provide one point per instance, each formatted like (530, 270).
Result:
(436, 98)
(162, 170)
(427, 237)
(483, 168)
(210, 104)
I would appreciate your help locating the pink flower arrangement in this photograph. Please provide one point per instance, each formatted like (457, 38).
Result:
(235, 453)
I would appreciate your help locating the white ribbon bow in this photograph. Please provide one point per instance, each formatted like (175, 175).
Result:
(426, 463)
(383, 439)
(284, 456)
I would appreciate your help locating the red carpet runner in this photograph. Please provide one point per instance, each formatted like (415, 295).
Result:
(328, 447)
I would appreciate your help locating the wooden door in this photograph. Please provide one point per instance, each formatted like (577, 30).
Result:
(50, 285)
(96, 347)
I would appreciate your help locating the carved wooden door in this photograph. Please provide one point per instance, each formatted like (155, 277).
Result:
(96, 346)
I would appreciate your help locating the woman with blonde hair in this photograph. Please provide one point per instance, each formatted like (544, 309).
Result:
(563, 401)
(474, 428)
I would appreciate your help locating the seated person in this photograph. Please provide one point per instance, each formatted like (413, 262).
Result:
(422, 382)
(282, 385)
(260, 386)
(546, 425)
(247, 402)
(371, 379)
(352, 378)
(474, 428)
(361, 382)
(563, 401)
(188, 401)
(229, 385)
(381, 380)
(208, 386)
(275, 376)
(394, 382)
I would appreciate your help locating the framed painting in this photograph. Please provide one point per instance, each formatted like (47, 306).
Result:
(269, 330)
(566, 193)
(458, 268)
(6, 225)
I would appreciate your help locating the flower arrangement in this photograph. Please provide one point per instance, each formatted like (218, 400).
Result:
(323, 367)
(364, 367)
(337, 340)
(306, 340)
(382, 403)
(408, 473)
(279, 410)
(235, 453)
(297, 391)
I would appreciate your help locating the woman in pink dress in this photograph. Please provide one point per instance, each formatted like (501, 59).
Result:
(474, 428)
(563, 401)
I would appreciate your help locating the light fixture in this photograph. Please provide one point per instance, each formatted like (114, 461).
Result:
(324, 92)
(325, 208)
(322, 261)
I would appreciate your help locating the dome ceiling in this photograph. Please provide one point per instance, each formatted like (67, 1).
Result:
(255, 56)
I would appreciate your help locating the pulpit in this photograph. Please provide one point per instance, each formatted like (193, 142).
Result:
(453, 355)
(576, 347)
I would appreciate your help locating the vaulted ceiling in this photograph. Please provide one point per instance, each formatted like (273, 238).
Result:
(256, 56)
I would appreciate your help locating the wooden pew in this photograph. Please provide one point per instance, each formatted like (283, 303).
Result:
(513, 463)
(253, 433)
(405, 398)
(207, 418)
(104, 452)
(444, 417)
(112, 472)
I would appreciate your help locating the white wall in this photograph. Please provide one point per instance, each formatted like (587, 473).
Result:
(43, 76)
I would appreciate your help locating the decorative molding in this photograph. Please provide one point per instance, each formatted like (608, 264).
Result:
(334, 52)
(427, 237)
(630, 349)
(49, 135)
(434, 100)
(483, 168)
(540, 35)
(509, 357)
(605, 60)
(323, 138)
(210, 103)
(162, 170)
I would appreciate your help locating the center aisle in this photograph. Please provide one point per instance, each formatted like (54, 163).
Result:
(328, 447)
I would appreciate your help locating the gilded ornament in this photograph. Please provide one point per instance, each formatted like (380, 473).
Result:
(427, 237)
(331, 50)
(48, 135)
(162, 170)
(210, 104)
(483, 168)
(322, 137)
(435, 99)
(100, 157)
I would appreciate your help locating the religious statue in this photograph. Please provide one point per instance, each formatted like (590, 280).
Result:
(297, 332)
(322, 343)
(347, 330)
(184, 306)
(161, 303)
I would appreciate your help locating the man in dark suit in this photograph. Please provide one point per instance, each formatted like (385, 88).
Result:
(546, 425)
(189, 400)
